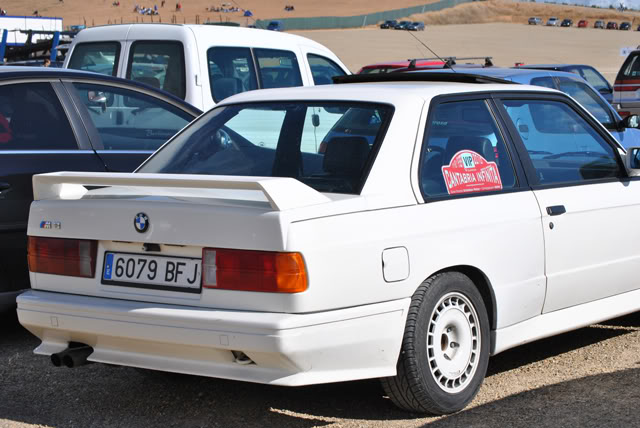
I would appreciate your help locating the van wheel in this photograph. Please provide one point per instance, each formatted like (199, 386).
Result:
(445, 349)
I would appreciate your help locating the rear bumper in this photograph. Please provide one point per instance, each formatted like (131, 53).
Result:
(286, 349)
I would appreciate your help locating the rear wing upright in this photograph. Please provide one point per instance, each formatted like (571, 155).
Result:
(283, 193)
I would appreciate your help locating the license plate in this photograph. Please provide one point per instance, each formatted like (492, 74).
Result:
(158, 272)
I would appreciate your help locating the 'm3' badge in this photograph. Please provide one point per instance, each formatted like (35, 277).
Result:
(141, 222)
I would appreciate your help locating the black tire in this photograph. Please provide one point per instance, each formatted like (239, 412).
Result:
(451, 306)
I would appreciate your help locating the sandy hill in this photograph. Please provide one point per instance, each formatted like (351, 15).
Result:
(100, 12)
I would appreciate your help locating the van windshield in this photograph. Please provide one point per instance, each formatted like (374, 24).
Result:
(327, 145)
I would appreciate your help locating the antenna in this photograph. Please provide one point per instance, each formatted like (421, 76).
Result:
(446, 63)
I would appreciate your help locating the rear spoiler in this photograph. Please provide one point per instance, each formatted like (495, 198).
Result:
(282, 193)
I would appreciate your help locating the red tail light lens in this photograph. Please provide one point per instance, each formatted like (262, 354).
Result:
(247, 270)
(70, 257)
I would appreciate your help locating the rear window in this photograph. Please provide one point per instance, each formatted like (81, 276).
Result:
(326, 145)
(97, 57)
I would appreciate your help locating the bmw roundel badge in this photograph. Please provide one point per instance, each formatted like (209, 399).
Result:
(141, 222)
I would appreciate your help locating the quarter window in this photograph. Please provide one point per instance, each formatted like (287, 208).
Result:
(159, 64)
(463, 152)
(97, 57)
(32, 118)
(563, 146)
(129, 120)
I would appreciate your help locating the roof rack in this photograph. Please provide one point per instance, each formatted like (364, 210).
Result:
(419, 77)
(450, 61)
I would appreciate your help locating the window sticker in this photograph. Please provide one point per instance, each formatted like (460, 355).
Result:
(469, 172)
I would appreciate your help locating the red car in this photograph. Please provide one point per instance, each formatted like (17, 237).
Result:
(386, 67)
(583, 23)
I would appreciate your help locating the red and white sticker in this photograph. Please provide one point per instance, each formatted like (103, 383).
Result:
(469, 172)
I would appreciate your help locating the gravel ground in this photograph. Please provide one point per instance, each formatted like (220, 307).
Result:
(586, 378)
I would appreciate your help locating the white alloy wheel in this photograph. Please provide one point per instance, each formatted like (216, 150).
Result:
(453, 342)
(445, 348)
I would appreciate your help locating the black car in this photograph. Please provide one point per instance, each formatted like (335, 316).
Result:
(566, 23)
(389, 23)
(625, 26)
(402, 25)
(67, 120)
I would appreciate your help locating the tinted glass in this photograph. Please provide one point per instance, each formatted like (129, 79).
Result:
(563, 146)
(278, 69)
(463, 152)
(130, 120)
(323, 69)
(589, 99)
(632, 68)
(158, 64)
(594, 78)
(97, 57)
(278, 140)
(546, 82)
(231, 71)
(32, 118)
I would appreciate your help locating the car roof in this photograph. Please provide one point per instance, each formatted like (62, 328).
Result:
(402, 64)
(385, 91)
(24, 72)
(233, 36)
(513, 74)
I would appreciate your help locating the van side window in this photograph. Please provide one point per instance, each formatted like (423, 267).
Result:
(231, 71)
(323, 69)
(97, 57)
(159, 64)
(278, 69)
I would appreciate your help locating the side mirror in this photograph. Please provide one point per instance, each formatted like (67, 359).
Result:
(631, 121)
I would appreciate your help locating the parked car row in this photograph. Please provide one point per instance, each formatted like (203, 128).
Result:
(403, 25)
(583, 23)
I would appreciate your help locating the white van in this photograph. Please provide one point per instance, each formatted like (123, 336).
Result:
(203, 64)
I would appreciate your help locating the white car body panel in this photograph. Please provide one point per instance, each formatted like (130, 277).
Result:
(197, 40)
(349, 323)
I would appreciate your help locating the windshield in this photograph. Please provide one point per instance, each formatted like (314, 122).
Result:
(326, 145)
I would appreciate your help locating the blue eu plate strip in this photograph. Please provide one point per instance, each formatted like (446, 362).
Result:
(108, 266)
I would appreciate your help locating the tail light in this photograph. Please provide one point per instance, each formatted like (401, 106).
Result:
(70, 257)
(247, 270)
(623, 113)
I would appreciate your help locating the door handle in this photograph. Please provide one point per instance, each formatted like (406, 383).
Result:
(556, 210)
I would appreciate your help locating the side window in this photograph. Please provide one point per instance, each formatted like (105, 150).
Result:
(130, 120)
(231, 71)
(159, 64)
(563, 146)
(588, 98)
(278, 69)
(594, 79)
(632, 69)
(545, 82)
(97, 57)
(323, 69)
(32, 118)
(463, 151)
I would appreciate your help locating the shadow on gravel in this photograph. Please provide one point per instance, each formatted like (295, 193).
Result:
(604, 400)
(33, 391)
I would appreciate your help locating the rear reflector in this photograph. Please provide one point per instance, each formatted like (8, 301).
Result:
(247, 270)
(70, 257)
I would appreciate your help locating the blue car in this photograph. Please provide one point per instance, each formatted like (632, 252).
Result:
(276, 26)
(572, 84)
(416, 26)
(587, 72)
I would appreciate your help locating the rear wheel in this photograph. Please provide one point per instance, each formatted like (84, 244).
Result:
(445, 349)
